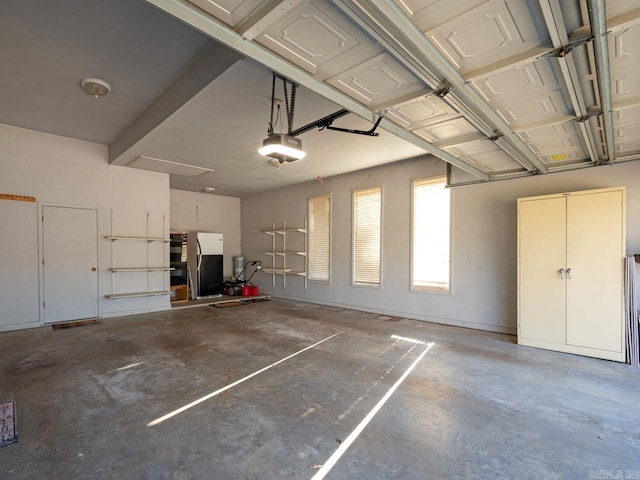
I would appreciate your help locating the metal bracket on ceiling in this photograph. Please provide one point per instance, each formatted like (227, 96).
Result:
(566, 49)
(445, 88)
(326, 123)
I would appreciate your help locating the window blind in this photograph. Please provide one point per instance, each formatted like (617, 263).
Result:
(367, 209)
(431, 234)
(319, 261)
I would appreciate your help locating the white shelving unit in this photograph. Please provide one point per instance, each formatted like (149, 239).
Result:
(148, 269)
(279, 253)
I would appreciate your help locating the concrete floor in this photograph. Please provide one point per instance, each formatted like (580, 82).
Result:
(477, 406)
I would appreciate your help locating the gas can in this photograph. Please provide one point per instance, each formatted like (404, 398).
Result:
(245, 291)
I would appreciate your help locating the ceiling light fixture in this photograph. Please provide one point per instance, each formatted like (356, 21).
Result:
(280, 146)
(284, 148)
(208, 189)
(95, 87)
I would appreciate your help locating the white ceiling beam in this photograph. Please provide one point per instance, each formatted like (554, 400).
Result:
(265, 16)
(624, 21)
(560, 39)
(628, 158)
(388, 17)
(542, 123)
(398, 101)
(629, 102)
(205, 69)
(205, 23)
(578, 36)
(601, 47)
(508, 63)
(471, 137)
(572, 166)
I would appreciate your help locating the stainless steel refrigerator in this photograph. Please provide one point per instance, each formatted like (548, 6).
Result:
(205, 260)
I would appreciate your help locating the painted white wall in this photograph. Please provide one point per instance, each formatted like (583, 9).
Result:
(63, 171)
(200, 212)
(484, 227)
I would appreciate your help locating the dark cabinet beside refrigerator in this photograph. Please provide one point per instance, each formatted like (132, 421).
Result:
(178, 259)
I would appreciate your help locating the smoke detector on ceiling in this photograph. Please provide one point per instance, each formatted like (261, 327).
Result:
(95, 87)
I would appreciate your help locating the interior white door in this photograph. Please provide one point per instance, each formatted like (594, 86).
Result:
(594, 289)
(542, 253)
(70, 254)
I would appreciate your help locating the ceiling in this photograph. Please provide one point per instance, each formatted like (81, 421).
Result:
(498, 88)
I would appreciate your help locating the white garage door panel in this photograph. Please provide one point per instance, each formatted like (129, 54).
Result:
(428, 14)
(493, 30)
(229, 11)
(320, 40)
(531, 80)
(447, 130)
(421, 111)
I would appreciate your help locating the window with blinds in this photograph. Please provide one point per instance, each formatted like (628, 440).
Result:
(431, 235)
(319, 260)
(367, 210)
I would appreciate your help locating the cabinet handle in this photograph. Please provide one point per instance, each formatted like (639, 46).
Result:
(561, 273)
(569, 273)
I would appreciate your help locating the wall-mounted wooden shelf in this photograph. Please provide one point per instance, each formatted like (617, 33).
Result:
(141, 269)
(113, 296)
(136, 282)
(279, 251)
(277, 271)
(146, 239)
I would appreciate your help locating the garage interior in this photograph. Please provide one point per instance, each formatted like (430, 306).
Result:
(444, 285)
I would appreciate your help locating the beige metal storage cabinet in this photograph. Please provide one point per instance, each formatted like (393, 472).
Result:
(571, 249)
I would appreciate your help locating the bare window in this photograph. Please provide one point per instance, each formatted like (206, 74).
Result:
(431, 234)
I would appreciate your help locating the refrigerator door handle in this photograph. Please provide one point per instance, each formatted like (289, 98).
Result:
(199, 254)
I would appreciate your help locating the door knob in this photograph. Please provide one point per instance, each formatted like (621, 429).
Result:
(93, 269)
(561, 273)
(569, 273)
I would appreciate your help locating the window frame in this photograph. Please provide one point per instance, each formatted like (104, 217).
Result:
(440, 178)
(329, 281)
(379, 286)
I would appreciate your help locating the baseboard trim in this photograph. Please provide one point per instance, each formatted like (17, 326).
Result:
(137, 311)
(412, 316)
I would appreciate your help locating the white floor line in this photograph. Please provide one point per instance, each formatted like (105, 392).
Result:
(333, 459)
(412, 340)
(127, 367)
(237, 382)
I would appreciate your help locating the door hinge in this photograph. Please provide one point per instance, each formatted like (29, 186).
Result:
(43, 304)
(42, 218)
(43, 261)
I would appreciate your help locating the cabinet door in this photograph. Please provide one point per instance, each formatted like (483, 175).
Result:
(595, 257)
(541, 255)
